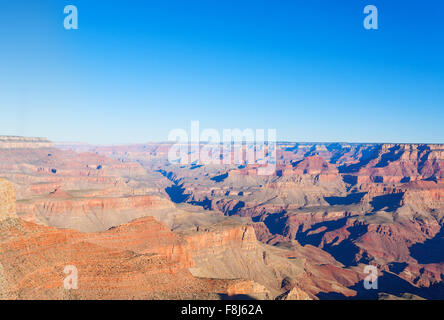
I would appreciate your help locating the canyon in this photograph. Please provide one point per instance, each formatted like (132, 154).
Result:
(139, 227)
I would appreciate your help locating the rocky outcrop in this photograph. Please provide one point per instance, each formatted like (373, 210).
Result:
(250, 289)
(7, 200)
(215, 239)
(295, 294)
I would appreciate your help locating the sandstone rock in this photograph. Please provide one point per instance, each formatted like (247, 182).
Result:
(295, 294)
(249, 288)
(7, 200)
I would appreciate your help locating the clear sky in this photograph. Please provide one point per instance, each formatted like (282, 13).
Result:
(134, 70)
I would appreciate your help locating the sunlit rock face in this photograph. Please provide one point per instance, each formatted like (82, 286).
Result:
(7, 200)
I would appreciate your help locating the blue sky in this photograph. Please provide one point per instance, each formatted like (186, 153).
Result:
(134, 70)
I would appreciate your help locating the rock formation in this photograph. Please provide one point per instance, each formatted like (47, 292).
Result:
(305, 232)
(7, 200)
